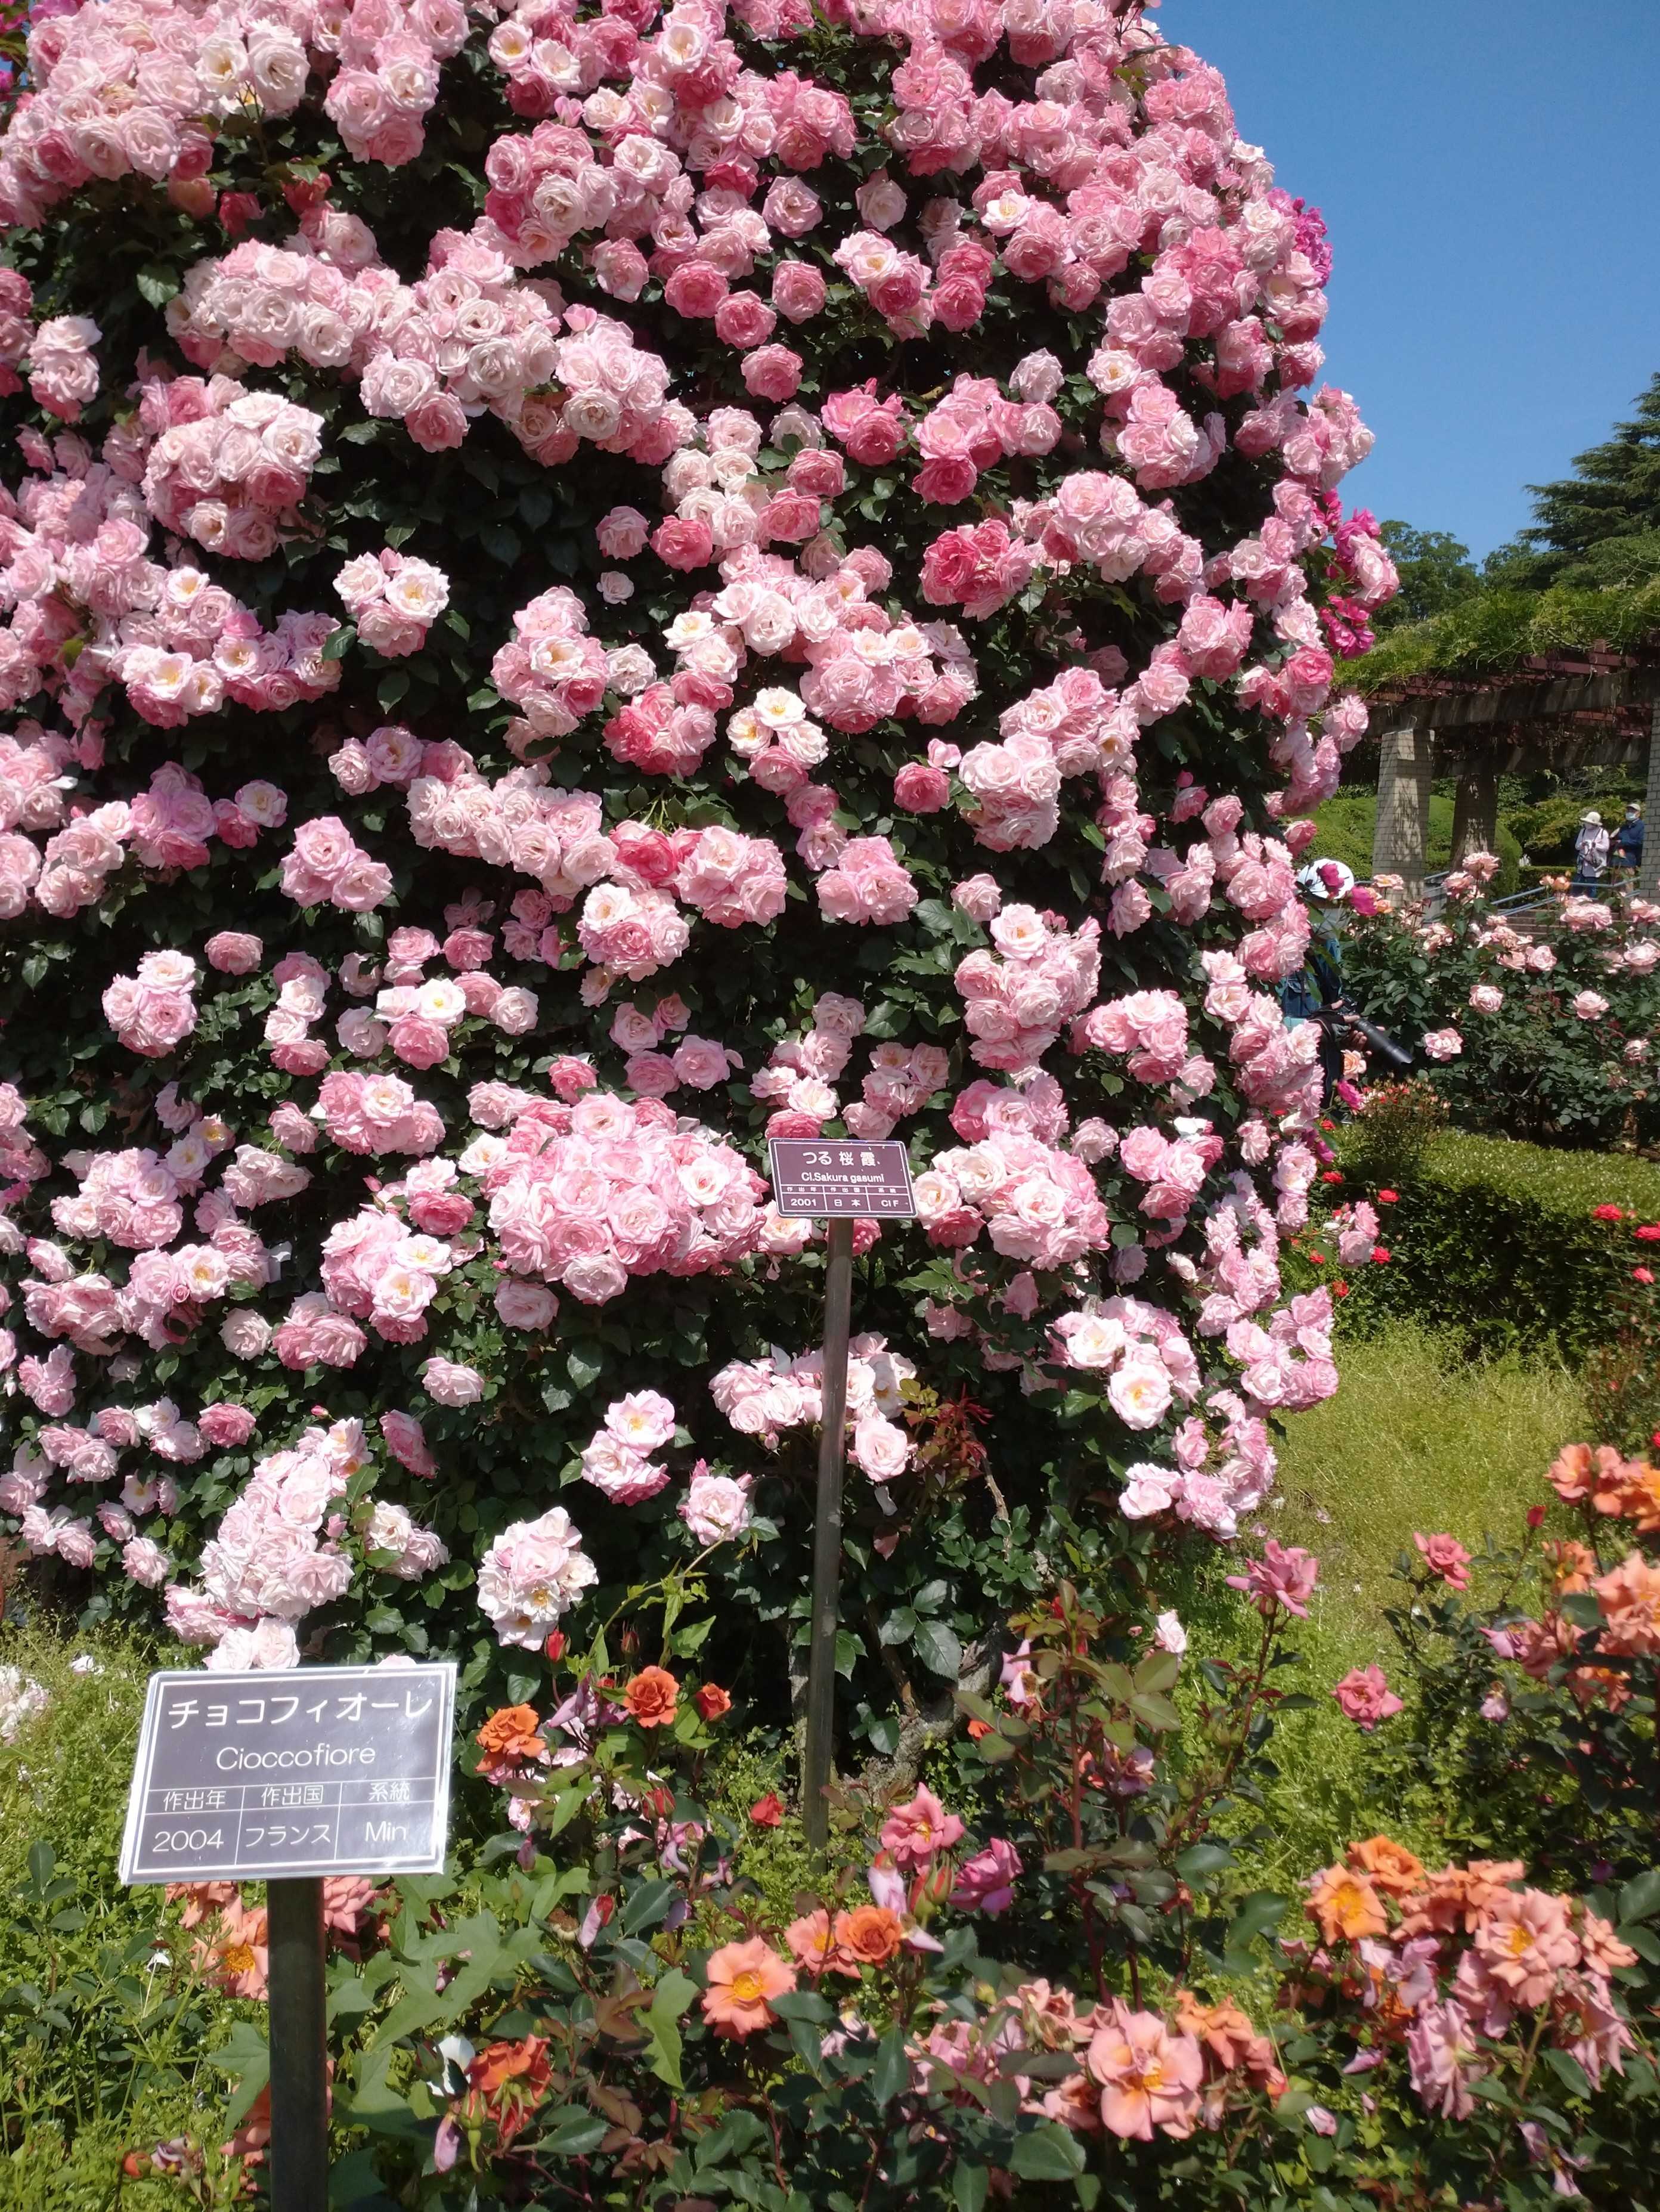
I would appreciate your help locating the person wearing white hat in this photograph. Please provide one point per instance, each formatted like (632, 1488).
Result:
(1590, 849)
(1317, 986)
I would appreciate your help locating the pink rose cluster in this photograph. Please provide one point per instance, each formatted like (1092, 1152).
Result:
(466, 338)
(530, 1576)
(975, 427)
(281, 1550)
(277, 1552)
(88, 607)
(763, 1397)
(154, 1011)
(1224, 1467)
(1149, 1364)
(226, 465)
(1038, 1204)
(375, 1268)
(377, 1114)
(393, 599)
(1019, 995)
(618, 1458)
(327, 866)
(63, 365)
(586, 1196)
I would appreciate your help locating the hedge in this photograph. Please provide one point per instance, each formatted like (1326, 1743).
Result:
(1494, 1241)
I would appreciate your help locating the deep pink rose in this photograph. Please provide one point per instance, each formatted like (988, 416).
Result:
(683, 542)
(920, 788)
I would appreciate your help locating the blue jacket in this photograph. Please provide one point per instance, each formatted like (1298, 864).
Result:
(1318, 983)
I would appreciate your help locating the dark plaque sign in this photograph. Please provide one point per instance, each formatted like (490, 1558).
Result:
(840, 1179)
(289, 1771)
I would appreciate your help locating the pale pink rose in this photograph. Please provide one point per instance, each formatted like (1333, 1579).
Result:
(233, 952)
(450, 1382)
(524, 1305)
(225, 1424)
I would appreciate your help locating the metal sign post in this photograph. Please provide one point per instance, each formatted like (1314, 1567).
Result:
(285, 1776)
(839, 1183)
(298, 2032)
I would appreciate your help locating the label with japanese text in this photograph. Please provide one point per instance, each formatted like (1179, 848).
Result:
(839, 1179)
(294, 1770)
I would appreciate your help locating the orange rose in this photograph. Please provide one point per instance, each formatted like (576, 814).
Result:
(870, 1933)
(1391, 1866)
(511, 1734)
(652, 1697)
(1346, 1905)
(712, 1701)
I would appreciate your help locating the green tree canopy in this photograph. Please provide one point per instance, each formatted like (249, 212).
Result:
(1601, 525)
(1436, 572)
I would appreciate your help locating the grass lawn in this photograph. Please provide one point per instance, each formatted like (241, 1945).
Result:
(1416, 1438)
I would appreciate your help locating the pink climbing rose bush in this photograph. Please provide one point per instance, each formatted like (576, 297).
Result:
(623, 585)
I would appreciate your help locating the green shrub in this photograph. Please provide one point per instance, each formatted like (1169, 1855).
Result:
(1495, 1242)
(104, 2029)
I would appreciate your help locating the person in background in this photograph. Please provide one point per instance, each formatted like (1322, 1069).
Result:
(1317, 987)
(1591, 851)
(1625, 846)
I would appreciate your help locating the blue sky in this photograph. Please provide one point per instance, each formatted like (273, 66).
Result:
(1488, 171)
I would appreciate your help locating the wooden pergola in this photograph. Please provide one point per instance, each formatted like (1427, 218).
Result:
(1590, 706)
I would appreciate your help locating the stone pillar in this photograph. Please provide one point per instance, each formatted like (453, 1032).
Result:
(1648, 876)
(1475, 811)
(1403, 806)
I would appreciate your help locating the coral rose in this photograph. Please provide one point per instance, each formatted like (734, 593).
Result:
(869, 1934)
(742, 1977)
(652, 1697)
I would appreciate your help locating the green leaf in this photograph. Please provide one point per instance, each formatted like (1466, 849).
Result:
(1050, 2152)
(1203, 1858)
(969, 2184)
(157, 283)
(1262, 1910)
(899, 1626)
(245, 2053)
(647, 1906)
(1640, 1898)
(670, 2002)
(892, 2068)
(575, 2133)
(392, 687)
(939, 1649)
(1568, 2071)
(583, 1369)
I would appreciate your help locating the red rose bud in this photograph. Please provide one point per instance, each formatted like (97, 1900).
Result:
(1642, 1274)
(1380, 1256)
(712, 1701)
(766, 1812)
(1535, 1516)
(1332, 1175)
(555, 1646)
(1388, 1197)
(1648, 1234)
(1341, 1288)
(1607, 1213)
